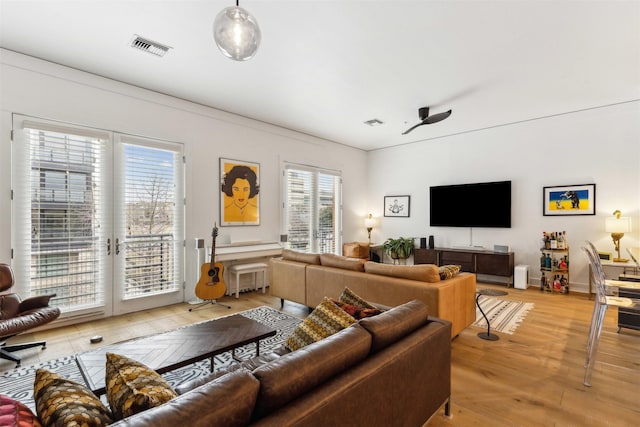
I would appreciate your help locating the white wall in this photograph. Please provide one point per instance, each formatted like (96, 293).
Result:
(600, 146)
(42, 89)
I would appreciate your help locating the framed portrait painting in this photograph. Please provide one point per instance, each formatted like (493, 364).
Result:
(239, 192)
(397, 206)
(569, 200)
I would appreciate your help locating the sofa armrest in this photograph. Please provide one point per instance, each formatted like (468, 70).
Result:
(456, 301)
(288, 280)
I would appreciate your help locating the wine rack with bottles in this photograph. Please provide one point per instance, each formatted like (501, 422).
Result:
(554, 263)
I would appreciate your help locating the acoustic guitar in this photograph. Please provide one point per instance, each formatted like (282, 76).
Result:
(211, 285)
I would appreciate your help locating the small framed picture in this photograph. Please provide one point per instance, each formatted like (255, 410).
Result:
(569, 200)
(397, 206)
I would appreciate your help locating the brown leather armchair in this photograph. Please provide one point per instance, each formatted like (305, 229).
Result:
(17, 315)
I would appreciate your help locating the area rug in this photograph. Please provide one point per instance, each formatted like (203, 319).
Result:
(504, 316)
(18, 383)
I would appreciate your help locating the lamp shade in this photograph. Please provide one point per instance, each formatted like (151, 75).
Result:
(617, 225)
(369, 222)
(236, 33)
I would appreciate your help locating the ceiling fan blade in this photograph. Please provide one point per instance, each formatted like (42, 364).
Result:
(429, 119)
(412, 128)
(437, 117)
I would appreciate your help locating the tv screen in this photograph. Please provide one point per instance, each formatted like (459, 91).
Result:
(486, 204)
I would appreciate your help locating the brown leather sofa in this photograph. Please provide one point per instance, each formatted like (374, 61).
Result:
(307, 278)
(393, 369)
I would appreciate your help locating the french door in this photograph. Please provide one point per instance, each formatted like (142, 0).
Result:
(97, 218)
(312, 209)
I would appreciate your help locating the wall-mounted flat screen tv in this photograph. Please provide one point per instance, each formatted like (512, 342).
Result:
(485, 204)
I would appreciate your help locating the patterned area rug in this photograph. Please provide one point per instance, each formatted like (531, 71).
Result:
(504, 316)
(18, 383)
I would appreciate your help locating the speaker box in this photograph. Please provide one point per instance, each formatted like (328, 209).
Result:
(521, 277)
(431, 243)
(423, 243)
(199, 243)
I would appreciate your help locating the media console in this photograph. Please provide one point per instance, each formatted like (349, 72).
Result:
(474, 261)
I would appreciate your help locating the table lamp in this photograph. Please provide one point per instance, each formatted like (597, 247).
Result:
(369, 222)
(617, 226)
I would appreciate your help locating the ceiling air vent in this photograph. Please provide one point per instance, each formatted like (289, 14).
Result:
(149, 46)
(373, 122)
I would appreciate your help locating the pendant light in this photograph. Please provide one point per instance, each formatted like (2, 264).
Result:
(236, 33)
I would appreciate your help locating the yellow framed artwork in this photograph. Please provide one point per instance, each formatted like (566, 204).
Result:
(239, 192)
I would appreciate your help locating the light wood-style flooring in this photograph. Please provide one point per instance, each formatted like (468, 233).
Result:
(531, 378)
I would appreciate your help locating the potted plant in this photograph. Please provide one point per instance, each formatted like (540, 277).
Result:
(400, 248)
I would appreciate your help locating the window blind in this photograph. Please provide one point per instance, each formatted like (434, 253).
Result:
(58, 174)
(312, 208)
(150, 195)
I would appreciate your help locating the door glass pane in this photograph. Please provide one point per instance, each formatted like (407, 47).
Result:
(327, 212)
(65, 217)
(152, 237)
(299, 210)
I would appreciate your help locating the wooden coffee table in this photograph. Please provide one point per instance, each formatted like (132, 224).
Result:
(172, 350)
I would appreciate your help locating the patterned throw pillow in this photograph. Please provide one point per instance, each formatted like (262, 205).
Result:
(448, 271)
(62, 402)
(133, 387)
(326, 319)
(350, 297)
(355, 311)
(16, 414)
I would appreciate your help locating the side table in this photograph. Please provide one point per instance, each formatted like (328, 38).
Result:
(490, 293)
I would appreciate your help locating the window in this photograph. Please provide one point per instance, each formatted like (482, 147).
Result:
(312, 209)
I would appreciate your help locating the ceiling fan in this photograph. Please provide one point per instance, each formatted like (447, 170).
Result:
(426, 119)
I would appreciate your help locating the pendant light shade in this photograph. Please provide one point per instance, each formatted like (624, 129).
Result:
(236, 33)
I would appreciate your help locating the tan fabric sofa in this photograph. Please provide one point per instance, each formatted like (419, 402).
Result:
(307, 278)
(393, 369)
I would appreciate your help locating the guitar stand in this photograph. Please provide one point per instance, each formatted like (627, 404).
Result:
(207, 302)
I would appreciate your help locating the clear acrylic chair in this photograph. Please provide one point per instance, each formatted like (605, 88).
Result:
(602, 303)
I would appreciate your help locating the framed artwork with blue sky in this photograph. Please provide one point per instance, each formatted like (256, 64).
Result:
(569, 200)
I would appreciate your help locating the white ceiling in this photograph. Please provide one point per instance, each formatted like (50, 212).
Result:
(325, 67)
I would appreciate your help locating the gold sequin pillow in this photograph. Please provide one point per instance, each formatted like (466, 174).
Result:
(448, 271)
(133, 387)
(62, 402)
(326, 319)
